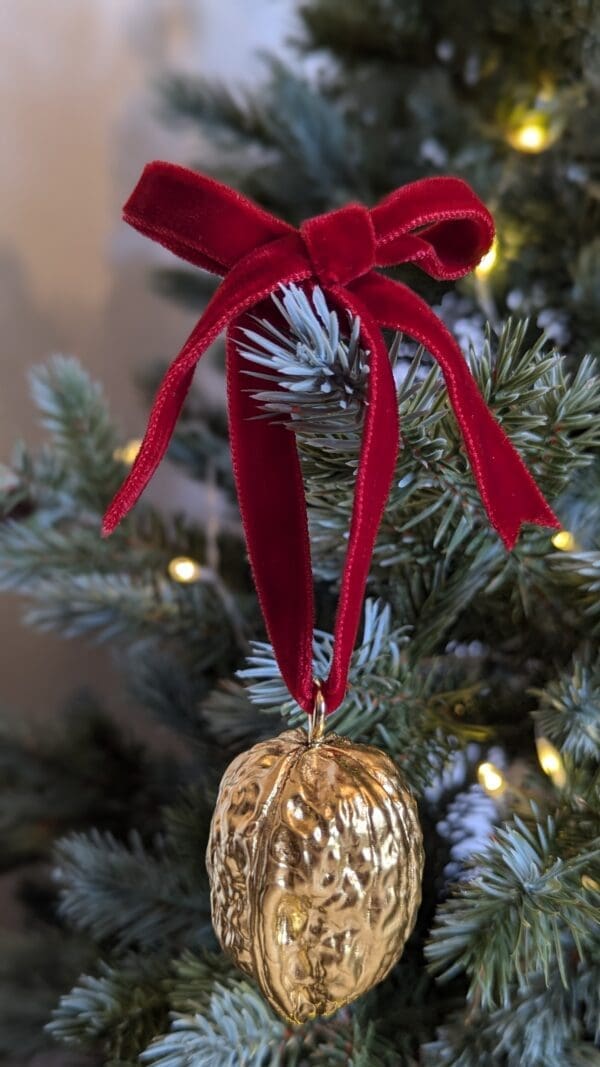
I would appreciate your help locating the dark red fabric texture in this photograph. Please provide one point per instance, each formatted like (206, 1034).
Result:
(437, 223)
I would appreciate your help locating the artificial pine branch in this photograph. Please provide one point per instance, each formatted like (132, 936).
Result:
(235, 1027)
(295, 130)
(130, 896)
(73, 409)
(118, 1011)
(322, 374)
(547, 1022)
(434, 502)
(81, 770)
(232, 1026)
(569, 710)
(35, 967)
(51, 551)
(510, 918)
(434, 515)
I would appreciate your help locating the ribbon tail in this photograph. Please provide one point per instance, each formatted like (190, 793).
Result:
(508, 491)
(377, 462)
(253, 278)
(161, 423)
(272, 505)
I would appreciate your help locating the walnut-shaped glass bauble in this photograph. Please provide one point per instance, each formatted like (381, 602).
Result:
(315, 860)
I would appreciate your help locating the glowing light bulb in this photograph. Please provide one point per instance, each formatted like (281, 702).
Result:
(491, 779)
(184, 569)
(488, 262)
(551, 761)
(531, 137)
(127, 453)
(590, 883)
(564, 540)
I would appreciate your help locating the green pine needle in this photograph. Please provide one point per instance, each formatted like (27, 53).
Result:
(510, 918)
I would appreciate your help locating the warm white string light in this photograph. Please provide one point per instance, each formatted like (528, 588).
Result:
(491, 779)
(551, 761)
(532, 134)
(127, 453)
(564, 540)
(184, 569)
(488, 261)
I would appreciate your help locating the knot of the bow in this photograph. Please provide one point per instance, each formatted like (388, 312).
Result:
(341, 244)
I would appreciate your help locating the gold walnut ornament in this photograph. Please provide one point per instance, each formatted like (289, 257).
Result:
(315, 860)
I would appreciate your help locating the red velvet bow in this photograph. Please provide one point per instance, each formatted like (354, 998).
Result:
(437, 223)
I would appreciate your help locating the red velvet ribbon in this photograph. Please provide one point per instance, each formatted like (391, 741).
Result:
(438, 224)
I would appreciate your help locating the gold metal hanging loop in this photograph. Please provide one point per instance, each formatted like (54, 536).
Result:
(316, 722)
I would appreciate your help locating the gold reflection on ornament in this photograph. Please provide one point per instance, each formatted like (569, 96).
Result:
(315, 859)
(292, 916)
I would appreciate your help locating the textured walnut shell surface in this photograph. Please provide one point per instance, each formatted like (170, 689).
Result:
(315, 860)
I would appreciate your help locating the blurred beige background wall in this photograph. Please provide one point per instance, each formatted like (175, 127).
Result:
(78, 119)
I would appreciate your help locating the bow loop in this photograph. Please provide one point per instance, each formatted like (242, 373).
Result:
(340, 244)
(199, 219)
(437, 223)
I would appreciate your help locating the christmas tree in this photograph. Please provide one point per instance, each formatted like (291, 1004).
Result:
(478, 671)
